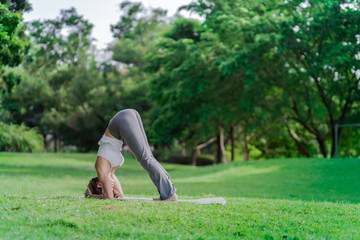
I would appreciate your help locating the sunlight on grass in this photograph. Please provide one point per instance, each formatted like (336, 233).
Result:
(296, 198)
(235, 171)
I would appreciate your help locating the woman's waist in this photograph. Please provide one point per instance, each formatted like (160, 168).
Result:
(117, 144)
(108, 134)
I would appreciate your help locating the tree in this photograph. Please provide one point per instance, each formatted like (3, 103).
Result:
(287, 45)
(136, 20)
(185, 87)
(13, 41)
(17, 5)
(238, 94)
(58, 42)
(13, 45)
(55, 67)
(320, 49)
(138, 31)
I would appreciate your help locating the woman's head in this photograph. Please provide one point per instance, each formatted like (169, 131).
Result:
(94, 186)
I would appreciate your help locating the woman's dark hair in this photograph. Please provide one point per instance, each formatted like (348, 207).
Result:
(93, 186)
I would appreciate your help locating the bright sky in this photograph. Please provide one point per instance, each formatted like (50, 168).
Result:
(101, 13)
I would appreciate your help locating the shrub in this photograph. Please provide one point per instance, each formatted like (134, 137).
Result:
(20, 138)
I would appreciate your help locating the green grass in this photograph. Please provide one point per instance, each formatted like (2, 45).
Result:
(269, 199)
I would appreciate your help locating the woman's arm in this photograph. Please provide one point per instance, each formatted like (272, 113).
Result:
(89, 194)
(117, 185)
(102, 167)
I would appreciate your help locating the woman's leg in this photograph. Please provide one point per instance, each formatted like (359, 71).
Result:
(145, 138)
(132, 131)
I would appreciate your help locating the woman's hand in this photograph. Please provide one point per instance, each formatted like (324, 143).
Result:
(112, 182)
(116, 185)
(89, 194)
(117, 194)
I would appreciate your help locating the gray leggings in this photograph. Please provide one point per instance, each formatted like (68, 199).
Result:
(127, 125)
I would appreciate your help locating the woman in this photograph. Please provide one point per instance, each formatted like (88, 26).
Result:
(127, 125)
(94, 189)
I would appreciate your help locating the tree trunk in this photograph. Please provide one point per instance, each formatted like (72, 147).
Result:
(222, 145)
(246, 147)
(183, 149)
(333, 140)
(301, 147)
(198, 148)
(217, 159)
(45, 142)
(55, 143)
(194, 156)
(321, 141)
(232, 143)
(205, 144)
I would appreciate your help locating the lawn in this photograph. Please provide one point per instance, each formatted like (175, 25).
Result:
(267, 199)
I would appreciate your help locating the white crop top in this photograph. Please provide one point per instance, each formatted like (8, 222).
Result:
(110, 149)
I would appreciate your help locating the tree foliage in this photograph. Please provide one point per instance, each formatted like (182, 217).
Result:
(20, 138)
(13, 41)
(312, 46)
(270, 78)
(17, 5)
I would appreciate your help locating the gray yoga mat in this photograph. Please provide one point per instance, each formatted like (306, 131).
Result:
(218, 200)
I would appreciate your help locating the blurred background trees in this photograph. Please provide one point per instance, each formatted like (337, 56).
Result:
(253, 79)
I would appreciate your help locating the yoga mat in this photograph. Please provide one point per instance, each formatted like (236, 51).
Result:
(201, 200)
(218, 200)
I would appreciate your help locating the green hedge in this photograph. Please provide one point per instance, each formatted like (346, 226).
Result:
(20, 138)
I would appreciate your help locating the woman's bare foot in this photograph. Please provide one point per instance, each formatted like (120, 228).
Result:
(173, 198)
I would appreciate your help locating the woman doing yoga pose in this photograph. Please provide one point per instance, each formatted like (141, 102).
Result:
(126, 125)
